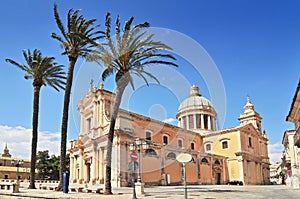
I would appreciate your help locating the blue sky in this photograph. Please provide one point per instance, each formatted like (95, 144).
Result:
(254, 44)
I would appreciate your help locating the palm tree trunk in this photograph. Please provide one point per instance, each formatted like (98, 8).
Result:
(35, 118)
(119, 93)
(64, 124)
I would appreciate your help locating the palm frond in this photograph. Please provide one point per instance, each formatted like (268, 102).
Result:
(131, 83)
(43, 70)
(81, 34)
(22, 67)
(58, 21)
(107, 72)
(133, 50)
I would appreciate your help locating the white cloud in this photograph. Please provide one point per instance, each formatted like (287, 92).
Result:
(170, 120)
(18, 140)
(275, 152)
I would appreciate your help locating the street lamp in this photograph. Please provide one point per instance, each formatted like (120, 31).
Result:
(18, 164)
(133, 147)
(184, 158)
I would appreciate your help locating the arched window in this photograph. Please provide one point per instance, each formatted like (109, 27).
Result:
(179, 143)
(165, 139)
(193, 146)
(204, 160)
(217, 162)
(150, 152)
(171, 155)
(148, 136)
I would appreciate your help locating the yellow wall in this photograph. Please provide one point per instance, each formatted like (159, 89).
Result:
(234, 170)
(233, 143)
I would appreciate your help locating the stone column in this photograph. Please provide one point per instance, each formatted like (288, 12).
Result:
(93, 166)
(213, 123)
(95, 123)
(82, 125)
(81, 166)
(209, 122)
(202, 121)
(195, 121)
(97, 165)
(100, 164)
(72, 169)
(241, 170)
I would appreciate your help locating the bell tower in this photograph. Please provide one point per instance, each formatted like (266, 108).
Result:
(250, 116)
(6, 152)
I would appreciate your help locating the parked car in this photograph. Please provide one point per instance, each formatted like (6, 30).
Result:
(235, 183)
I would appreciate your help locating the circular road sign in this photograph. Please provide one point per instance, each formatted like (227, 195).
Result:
(134, 156)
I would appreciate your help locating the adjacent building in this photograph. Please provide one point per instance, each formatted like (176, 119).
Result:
(13, 168)
(238, 154)
(276, 173)
(291, 143)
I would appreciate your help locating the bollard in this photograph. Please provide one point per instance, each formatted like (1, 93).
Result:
(65, 183)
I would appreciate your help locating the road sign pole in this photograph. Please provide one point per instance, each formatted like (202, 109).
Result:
(139, 166)
(184, 181)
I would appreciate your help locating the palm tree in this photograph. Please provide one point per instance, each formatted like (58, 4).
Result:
(44, 71)
(130, 53)
(77, 41)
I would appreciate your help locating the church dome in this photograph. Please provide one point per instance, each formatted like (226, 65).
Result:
(195, 100)
(196, 112)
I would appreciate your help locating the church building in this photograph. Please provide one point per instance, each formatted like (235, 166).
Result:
(146, 149)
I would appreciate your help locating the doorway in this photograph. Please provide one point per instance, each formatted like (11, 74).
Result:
(218, 176)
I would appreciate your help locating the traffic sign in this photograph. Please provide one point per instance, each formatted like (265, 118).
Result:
(134, 156)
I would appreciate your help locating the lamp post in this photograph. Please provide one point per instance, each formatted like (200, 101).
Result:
(133, 147)
(18, 163)
(184, 158)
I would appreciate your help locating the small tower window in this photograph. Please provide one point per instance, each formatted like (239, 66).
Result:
(165, 139)
(89, 123)
(250, 142)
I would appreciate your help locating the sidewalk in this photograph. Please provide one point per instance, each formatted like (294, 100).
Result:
(174, 192)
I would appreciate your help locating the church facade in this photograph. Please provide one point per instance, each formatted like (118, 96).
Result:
(218, 156)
